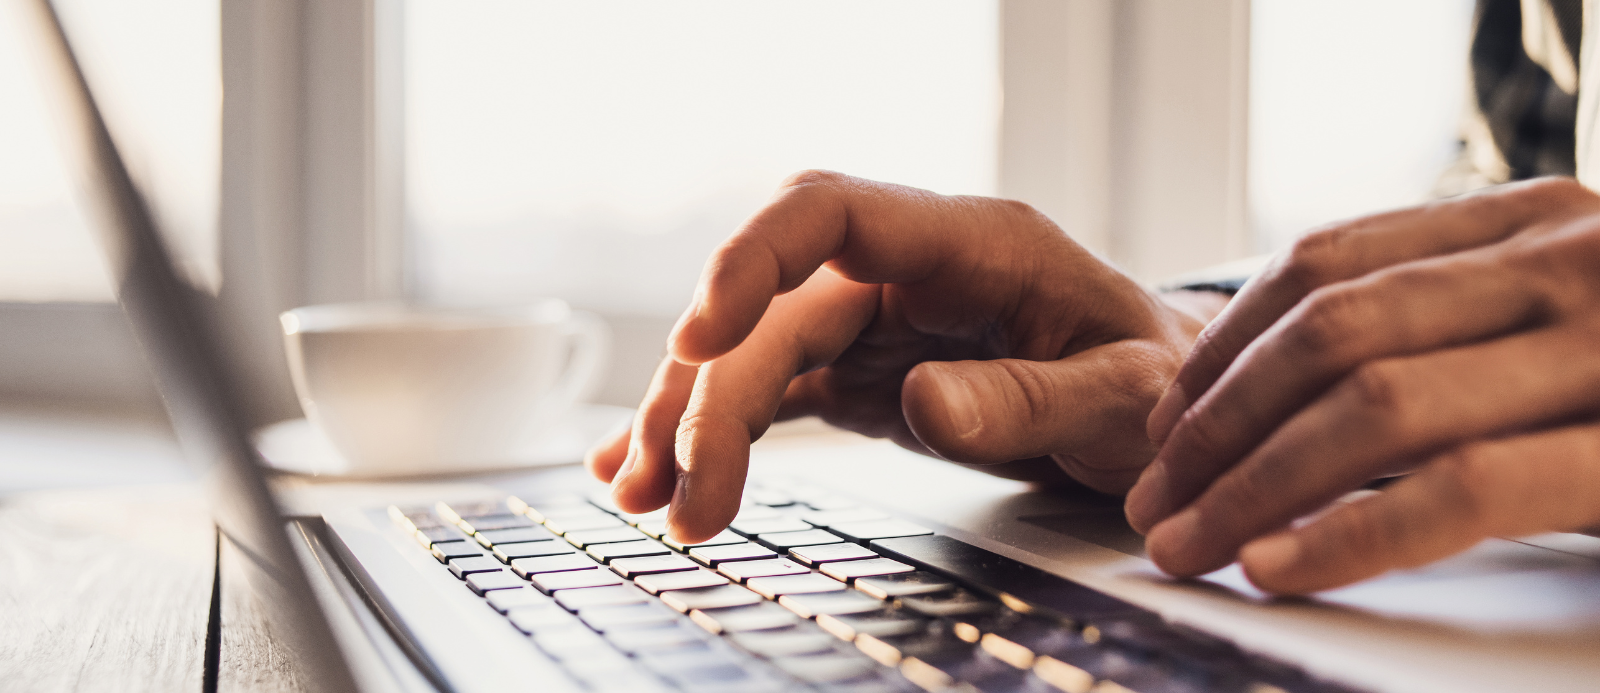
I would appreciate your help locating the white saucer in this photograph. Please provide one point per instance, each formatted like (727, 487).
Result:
(297, 447)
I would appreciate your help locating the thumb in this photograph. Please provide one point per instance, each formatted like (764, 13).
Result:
(1087, 410)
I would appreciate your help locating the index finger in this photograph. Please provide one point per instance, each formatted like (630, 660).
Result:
(1349, 250)
(870, 232)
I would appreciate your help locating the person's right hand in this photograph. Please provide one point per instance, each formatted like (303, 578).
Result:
(967, 328)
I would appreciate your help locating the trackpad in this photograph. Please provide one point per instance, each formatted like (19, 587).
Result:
(1106, 527)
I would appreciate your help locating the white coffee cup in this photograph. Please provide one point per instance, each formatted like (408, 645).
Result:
(402, 389)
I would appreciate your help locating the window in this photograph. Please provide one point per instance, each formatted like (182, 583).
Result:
(1354, 108)
(155, 70)
(599, 152)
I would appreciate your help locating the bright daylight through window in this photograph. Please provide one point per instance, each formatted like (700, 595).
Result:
(155, 69)
(598, 152)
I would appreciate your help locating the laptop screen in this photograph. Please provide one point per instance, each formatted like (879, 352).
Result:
(172, 322)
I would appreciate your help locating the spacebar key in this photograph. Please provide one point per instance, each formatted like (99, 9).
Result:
(996, 573)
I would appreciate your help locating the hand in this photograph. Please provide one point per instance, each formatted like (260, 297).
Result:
(1459, 340)
(967, 328)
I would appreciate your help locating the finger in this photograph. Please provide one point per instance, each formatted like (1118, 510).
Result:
(736, 396)
(1085, 407)
(867, 231)
(1549, 481)
(1377, 421)
(646, 478)
(1352, 249)
(1406, 309)
(606, 457)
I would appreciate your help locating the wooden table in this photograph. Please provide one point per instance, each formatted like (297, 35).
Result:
(111, 588)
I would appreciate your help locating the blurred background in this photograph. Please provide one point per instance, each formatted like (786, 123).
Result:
(500, 150)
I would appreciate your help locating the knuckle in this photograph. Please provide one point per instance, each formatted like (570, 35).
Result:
(1328, 319)
(812, 178)
(1380, 387)
(1314, 258)
(1551, 189)
(1467, 478)
(1202, 435)
(1032, 390)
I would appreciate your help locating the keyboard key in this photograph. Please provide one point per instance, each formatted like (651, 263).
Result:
(602, 500)
(481, 583)
(573, 600)
(495, 537)
(774, 587)
(956, 602)
(718, 597)
(449, 550)
(455, 512)
(716, 678)
(826, 668)
(582, 522)
(723, 538)
(573, 643)
(545, 512)
(630, 616)
(673, 638)
(783, 541)
(713, 555)
(878, 529)
(933, 641)
(739, 619)
(831, 502)
(413, 518)
(525, 567)
(881, 623)
(634, 567)
(756, 512)
(683, 580)
(428, 536)
(575, 579)
(772, 524)
(903, 584)
(462, 567)
(657, 515)
(850, 570)
(473, 525)
(815, 604)
(795, 640)
(739, 571)
(827, 553)
(655, 529)
(993, 571)
(767, 496)
(1062, 675)
(627, 549)
(534, 619)
(523, 595)
(584, 538)
(829, 518)
(531, 549)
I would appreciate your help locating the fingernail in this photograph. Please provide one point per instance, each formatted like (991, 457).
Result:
(960, 403)
(1147, 499)
(1271, 557)
(1166, 413)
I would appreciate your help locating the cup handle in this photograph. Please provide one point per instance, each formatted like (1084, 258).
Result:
(590, 338)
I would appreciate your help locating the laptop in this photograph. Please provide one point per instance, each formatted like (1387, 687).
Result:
(851, 567)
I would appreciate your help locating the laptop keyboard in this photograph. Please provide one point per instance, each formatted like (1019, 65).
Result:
(808, 590)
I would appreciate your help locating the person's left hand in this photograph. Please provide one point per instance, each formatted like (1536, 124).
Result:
(1459, 339)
